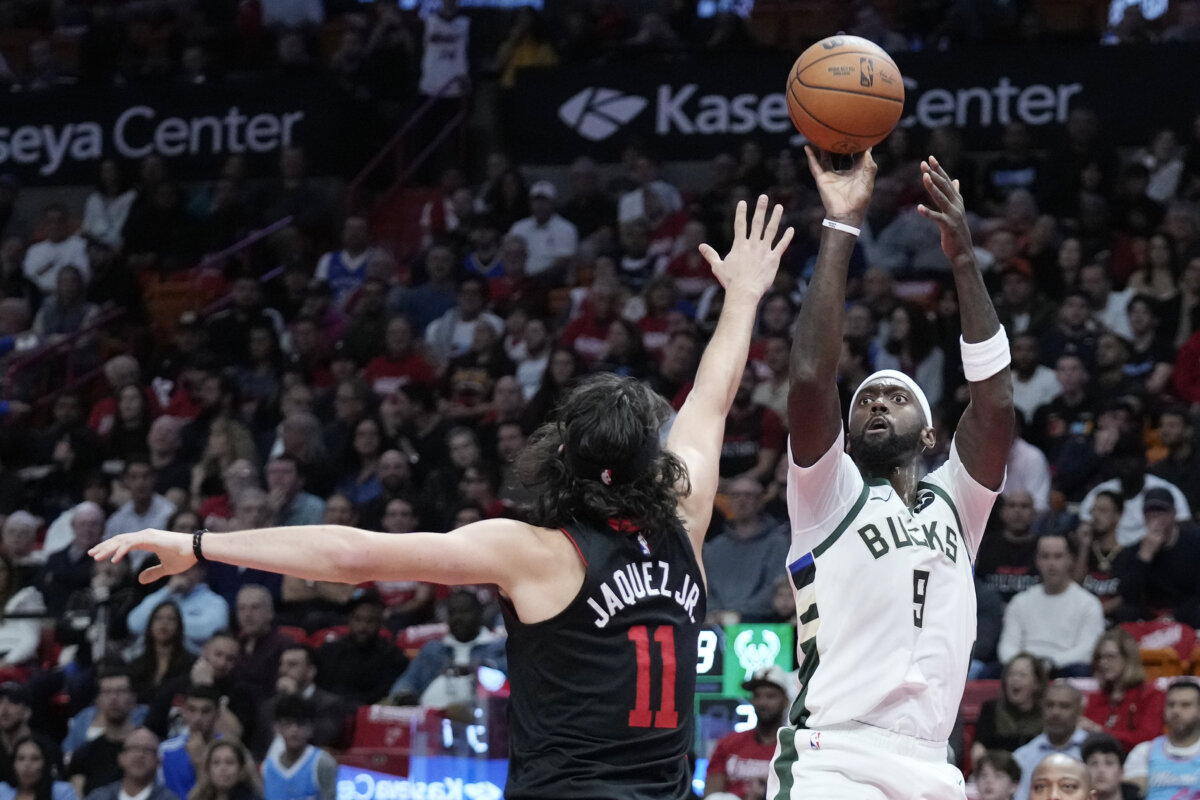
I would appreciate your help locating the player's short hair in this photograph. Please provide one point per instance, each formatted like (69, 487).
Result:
(1001, 761)
(1101, 743)
(599, 459)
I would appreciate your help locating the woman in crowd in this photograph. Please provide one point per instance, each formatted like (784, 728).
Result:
(131, 425)
(1127, 707)
(228, 774)
(163, 656)
(911, 348)
(1015, 717)
(1156, 276)
(34, 779)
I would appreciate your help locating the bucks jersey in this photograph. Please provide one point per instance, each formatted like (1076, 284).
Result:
(885, 596)
(602, 693)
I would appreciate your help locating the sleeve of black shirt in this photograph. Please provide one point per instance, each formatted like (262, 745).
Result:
(1134, 574)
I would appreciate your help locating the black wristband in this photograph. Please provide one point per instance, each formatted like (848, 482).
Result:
(197, 535)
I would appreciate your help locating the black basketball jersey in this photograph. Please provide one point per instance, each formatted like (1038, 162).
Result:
(602, 693)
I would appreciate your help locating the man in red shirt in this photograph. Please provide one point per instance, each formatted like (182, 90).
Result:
(741, 760)
(400, 363)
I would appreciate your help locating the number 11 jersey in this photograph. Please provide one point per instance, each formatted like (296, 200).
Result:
(602, 693)
(885, 595)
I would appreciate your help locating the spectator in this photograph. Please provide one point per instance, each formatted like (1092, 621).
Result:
(1075, 332)
(451, 334)
(214, 668)
(772, 392)
(297, 678)
(434, 296)
(59, 249)
(1034, 385)
(1006, 558)
(910, 348)
(18, 538)
(1057, 620)
(1126, 707)
(587, 334)
(589, 209)
(533, 357)
(1181, 465)
(743, 563)
(1167, 766)
(400, 362)
(989, 620)
(93, 747)
(227, 773)
(145, 507)
(71, 568)
(1015, 717)
(754, 436)
(290, 504)
(1095, 566)
(443, 673)
(1157, 574)
(1136, 487)
(204, 611)
(1061, 709)
(172, 473)
(1110, 308)
(361, 665)
(126, 439)
(1028, 469)
(551, 240)
(261, 643)
(344, 270)
(1105, 759)
(163, 656)
(34, 775)
(66, 312)
(1021, 308)
(180, 755)
(251, 510)
(740, 763)
(997, 775)
(229, 329)
(106, 209)
(16, 709)
(298, 770)
(138, 763)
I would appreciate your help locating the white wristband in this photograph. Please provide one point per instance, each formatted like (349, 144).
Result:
(837, 226)
(982, 360)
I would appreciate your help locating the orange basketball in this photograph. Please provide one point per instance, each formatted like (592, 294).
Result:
(845, 94)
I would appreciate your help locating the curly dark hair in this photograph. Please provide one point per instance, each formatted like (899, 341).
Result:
(609, 419)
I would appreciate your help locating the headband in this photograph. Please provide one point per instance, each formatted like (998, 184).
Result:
(610, 472)
(895, 376)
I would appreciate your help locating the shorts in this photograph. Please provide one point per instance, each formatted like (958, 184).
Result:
(859, 762)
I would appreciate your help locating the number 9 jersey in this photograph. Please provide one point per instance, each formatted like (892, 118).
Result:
(603, 693)
(885, 595)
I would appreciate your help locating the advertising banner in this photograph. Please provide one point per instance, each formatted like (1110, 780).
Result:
(60, 136)
(695, 108)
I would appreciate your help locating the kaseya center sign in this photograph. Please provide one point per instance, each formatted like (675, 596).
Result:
(60, 136)
(696, 109)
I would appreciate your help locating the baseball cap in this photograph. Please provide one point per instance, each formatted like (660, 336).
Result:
(543, 189)
(1158, 499)
(772, 675)
(15, 693)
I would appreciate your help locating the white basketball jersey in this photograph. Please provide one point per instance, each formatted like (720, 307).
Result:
(445, 54)
(885, 595)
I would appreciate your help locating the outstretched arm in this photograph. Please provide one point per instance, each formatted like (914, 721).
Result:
(699, 429)
(814, 410)
(985, 431)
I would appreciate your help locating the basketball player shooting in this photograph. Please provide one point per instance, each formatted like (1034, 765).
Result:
(604, 591)
(881, 558)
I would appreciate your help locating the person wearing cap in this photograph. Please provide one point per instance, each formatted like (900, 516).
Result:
(881, 559)
(551, 239)
(603, 590)
(1159, 573)
(1132, 484)
(361, 665)
(742, 759)
(1057, 620)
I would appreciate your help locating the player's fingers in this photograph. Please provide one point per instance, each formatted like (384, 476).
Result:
(710, 255)
(937, 191)
(760, 213)
(152, 574)
(739, 221)
(772, 228)
(814, 165)
(929, 213)
(784, 241)
(869, 164)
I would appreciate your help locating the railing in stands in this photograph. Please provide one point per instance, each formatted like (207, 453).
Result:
(404, 171)
(66, 345)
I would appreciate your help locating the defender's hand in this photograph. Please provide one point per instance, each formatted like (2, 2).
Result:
(752, 262)
(174, 551)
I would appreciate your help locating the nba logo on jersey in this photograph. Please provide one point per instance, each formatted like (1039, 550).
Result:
(606, 477)
(814, 740)
(642, 543)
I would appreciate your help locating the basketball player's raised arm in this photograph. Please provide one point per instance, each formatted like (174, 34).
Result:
(814, 409)
(985, 431)
(747, 272)
(500, 551)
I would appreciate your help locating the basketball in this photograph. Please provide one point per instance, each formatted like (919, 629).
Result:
(845, 94)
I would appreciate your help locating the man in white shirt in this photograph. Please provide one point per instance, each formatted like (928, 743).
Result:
(144, 509)
(451, 334)
(1108, 307)
(59, 249)
(551, 240)
(1029, 471)
(1062, 705)
(1034, 384)
(1132, 526)
(1057, 620)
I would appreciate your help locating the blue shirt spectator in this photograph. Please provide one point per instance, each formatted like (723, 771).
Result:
(204, 611)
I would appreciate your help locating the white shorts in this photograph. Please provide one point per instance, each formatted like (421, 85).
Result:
(859, 762)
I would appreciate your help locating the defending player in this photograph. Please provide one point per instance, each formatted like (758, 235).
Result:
(881, 558)
(605, 594)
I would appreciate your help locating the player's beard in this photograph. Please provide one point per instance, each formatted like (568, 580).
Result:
(881, 455)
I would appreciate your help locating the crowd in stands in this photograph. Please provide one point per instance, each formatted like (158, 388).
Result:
(352, 386)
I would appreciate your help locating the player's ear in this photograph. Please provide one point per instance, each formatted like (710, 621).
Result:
(928, 439)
